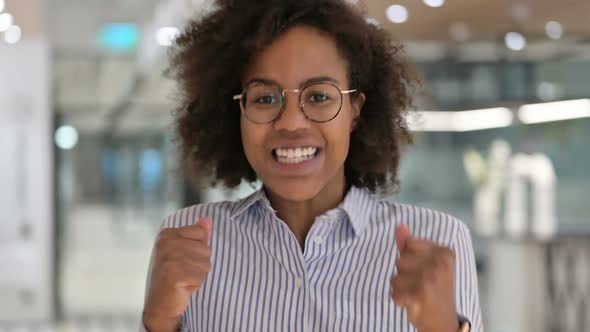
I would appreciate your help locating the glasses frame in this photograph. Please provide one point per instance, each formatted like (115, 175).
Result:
(240, 97)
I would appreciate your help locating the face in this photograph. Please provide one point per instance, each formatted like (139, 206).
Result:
(296, 158)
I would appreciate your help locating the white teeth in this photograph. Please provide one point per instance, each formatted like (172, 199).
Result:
(295, 155)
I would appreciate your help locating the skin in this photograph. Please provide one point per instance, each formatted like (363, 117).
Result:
(301, 54)
(181, 263)
(424, 284)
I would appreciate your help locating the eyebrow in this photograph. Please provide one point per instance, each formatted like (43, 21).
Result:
(308, 81)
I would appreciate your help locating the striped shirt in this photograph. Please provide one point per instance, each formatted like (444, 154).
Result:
(260, 279)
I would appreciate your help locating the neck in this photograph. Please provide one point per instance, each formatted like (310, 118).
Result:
(300, 215)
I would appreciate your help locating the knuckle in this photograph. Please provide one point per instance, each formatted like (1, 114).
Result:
(396, 296)
(194, 232)
(206, 251)
(420, 289)
(394, 281)
(428, 276)
(448, 258)
(166, 239)
(170, 274)
(401, 263)
(164, 253)
(443, 259)
(163, 239)
(198, 281)
(448, 254)
(169, 268)
(437, 262)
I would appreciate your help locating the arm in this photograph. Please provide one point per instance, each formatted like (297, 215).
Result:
(165, 326)
(179, 264)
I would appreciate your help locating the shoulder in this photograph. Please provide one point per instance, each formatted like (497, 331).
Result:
(424, 223)
(218, 211)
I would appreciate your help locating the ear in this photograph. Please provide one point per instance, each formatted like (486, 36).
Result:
(356, 108)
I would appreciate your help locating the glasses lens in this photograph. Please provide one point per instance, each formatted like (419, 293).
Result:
(321, 102)
(262, 102)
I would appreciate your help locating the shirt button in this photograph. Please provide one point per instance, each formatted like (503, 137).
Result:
(298, 282)
(318, 240)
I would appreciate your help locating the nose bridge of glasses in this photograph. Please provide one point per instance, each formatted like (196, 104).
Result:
(291, 109)
(293, 91)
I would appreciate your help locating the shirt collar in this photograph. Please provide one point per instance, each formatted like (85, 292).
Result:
(359, 204)
(245, 203)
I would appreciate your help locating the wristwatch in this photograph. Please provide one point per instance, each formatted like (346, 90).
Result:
(464, 326)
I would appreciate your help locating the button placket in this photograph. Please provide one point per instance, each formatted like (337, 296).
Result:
(298, 282)
(318, 239)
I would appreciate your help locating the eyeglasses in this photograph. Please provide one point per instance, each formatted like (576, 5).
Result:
(264, 102)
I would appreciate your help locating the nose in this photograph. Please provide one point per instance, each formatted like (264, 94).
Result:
(292, 118)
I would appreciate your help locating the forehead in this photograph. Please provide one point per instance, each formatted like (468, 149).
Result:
(299, 54)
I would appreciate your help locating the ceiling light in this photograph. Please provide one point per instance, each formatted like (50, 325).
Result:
(462, 121)
(5, 21)
(434, 3)
(12, 35)
(555, 111)
(554, 30)
(66, 137)
(515, 41)
(397, 13)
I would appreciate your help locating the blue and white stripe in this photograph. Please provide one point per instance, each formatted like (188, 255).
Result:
(262, 281)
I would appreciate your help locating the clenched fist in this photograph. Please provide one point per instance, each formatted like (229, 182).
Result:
(181, 263)
(425, 283)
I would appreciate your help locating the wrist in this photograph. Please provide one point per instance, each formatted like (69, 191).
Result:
(455, 328)
(155, 323)
(453, 325)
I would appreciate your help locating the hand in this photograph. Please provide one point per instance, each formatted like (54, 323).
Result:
(425, 283)
(181, 264)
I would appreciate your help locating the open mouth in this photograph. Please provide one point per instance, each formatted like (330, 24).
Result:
(295, 155)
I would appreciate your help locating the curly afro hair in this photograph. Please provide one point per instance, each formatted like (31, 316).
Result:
(210, 57)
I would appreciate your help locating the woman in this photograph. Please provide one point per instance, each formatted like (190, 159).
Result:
(308, 98)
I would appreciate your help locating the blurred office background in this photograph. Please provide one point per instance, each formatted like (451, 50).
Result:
(88, 167)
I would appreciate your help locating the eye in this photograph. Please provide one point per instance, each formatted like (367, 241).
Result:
(269, 99)
(318, 97)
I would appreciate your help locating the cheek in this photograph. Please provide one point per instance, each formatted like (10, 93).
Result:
(338, 139)
(342, 130)
(252, 140)
(341, 145)
(246, 138)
